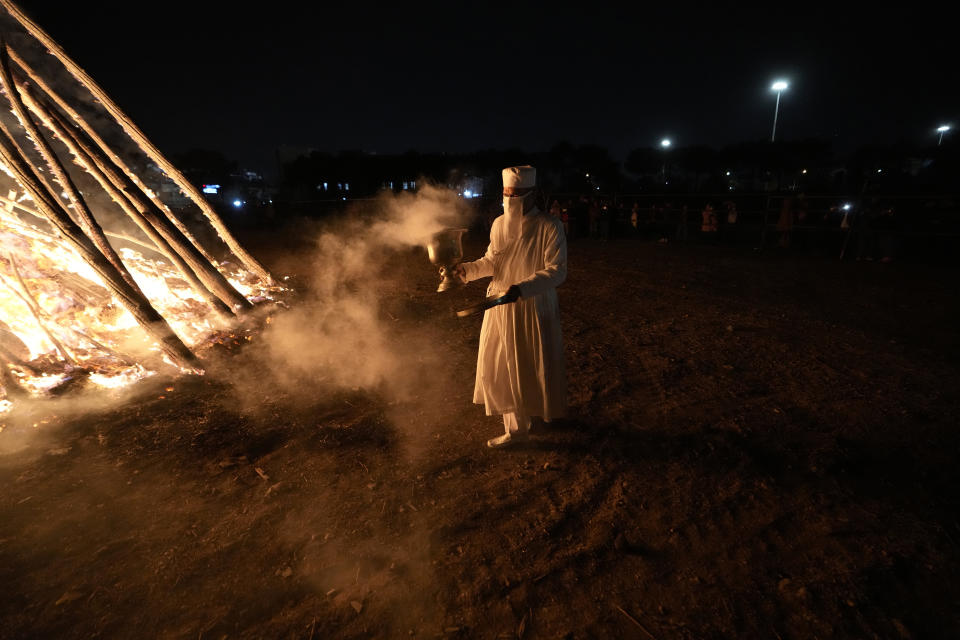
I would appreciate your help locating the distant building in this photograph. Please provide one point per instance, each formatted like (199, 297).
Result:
(470, 187)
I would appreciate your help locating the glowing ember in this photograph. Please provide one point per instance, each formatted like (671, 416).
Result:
(121, 379)
(43, 383)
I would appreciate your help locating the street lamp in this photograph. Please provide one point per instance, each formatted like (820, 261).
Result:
(942, 130)
(665, 144)
(778, 86)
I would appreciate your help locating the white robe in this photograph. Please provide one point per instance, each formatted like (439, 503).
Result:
(520, 366)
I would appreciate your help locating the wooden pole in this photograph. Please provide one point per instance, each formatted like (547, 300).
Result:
(11, 358)
(146, 208)
(36, 234)
(9, 218)
(134, 301)
(183, 265)
(99, 142)
(138, 136)
(27, 298)
(132, 240)
(87, 222)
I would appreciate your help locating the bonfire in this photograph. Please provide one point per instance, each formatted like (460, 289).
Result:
(100, 281)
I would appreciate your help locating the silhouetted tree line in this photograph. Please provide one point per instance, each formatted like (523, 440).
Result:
(801, 165)
(205, 166)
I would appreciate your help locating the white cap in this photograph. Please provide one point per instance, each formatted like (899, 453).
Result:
(523, 177)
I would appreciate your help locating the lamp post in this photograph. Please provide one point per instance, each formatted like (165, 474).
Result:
(942, 130)
(665, 144)
(778, 86)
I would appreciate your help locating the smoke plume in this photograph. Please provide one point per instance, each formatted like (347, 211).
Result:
(339, 334)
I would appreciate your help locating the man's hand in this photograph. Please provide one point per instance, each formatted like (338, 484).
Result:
(512, 294)
(457, 272)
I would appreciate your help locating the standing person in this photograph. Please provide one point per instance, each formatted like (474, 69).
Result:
(731, 226)
(593, 214)
(635, 219)
(520, 367)
(708, 225)
(555, 209)
(606, 215)
(731, 212)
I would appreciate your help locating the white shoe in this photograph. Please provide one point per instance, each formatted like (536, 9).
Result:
(505, 440)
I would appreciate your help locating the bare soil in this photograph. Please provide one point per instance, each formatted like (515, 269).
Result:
(760, 445)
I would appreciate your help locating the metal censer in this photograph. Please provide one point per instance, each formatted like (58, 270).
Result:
(446, 252)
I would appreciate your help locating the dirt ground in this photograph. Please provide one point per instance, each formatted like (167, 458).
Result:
(760, 445)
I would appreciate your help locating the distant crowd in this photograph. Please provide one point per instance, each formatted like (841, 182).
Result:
(871, 231)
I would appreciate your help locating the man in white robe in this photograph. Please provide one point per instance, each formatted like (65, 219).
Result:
(520, 366)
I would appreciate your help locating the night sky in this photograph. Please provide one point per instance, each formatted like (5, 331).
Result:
(458, 78)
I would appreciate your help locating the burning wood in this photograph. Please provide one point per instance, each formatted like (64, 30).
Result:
(196, 269)
(99, 143)
(86, 219)
(138, 136)
(72, 299)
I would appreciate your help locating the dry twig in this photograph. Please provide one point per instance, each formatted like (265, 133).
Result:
(636, 622)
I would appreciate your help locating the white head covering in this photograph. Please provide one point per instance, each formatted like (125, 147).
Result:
(521, 177)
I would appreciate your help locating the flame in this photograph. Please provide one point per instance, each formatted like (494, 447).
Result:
(121, 378)
(60, 322)
(45, 382)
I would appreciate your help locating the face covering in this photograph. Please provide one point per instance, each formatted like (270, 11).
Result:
(513, 205)
(513, 214)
